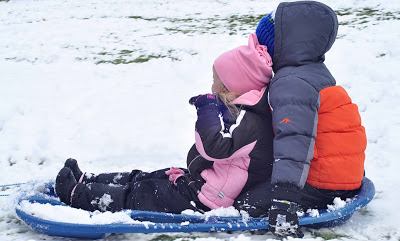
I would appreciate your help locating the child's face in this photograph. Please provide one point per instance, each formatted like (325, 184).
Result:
(216, 86)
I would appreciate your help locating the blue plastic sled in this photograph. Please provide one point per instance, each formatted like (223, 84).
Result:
(165, 222)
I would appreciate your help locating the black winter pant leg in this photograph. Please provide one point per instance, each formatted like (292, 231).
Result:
(146, 194)
(120, 178)
(161, 195)
(123, 178)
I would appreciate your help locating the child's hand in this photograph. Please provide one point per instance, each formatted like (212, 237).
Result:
(203, 100)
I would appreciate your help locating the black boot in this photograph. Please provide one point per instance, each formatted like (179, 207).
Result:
(73, 165)
(65, 182)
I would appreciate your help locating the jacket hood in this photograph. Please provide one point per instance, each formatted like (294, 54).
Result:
(254, 100)
(304, 32)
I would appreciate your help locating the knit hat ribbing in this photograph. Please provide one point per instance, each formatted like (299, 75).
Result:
(266, 32)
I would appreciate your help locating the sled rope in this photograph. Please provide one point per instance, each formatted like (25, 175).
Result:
(14, 184)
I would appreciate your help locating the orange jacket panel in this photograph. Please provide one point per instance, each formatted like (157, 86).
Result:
(338, 162)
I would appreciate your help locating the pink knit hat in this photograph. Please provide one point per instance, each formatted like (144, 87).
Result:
(245, 68)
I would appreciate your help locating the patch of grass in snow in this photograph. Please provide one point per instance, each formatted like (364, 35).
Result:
(140, 17)
(389, 236)
(365, 212)
(140, 59)
(361, 16)
(234, 24)
(42, 161)
(11, 161)
(4, 189)
(125, 57)
(330, 235)
(164, 237)
(249, 20)
(21, 59)
(242, 23)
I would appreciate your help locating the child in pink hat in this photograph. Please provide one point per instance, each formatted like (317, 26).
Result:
(241, 70)
(231, 154)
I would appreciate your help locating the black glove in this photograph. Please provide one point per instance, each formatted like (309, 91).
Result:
(283, 220)
(203, 100)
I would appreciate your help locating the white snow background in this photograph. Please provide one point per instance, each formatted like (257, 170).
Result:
(108, 83)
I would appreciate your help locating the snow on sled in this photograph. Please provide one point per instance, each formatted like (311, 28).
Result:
(133, 221)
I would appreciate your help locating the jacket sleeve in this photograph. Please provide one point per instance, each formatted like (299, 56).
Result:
(214, 144)
(294, 104)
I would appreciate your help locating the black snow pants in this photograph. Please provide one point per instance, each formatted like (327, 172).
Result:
(136, 190)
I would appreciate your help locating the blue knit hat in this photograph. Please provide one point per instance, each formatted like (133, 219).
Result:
(265, 32)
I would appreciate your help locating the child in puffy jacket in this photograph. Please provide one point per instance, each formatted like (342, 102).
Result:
(320, 142)
(232, 152)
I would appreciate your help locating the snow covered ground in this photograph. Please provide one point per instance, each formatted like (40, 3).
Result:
(108, 82)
